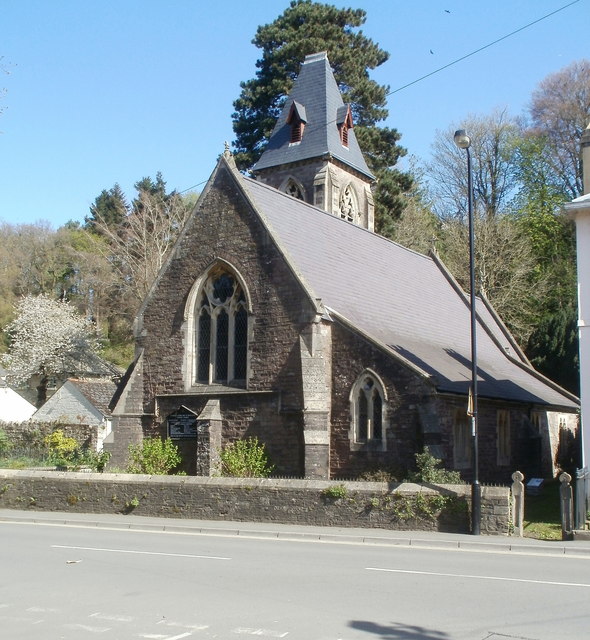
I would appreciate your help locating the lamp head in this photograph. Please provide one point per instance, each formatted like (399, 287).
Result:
(462, 140)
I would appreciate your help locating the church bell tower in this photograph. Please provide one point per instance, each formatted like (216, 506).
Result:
(313, 153)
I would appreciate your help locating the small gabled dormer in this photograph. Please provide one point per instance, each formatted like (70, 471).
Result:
(344, 123)
(297, 121)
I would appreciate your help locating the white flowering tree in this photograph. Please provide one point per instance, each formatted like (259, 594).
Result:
(47, 338)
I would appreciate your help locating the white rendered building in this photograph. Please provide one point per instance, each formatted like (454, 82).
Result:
(579, 210)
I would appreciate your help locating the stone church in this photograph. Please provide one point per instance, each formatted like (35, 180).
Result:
(280, 314)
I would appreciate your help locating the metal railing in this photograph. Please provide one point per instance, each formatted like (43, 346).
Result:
(582, 504)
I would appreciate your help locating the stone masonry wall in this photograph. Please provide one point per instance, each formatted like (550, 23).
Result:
(304, 502)
(244, 415)
(226, 229)
(405, 391)
(30, 435)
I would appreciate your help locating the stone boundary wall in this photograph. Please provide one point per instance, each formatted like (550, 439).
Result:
(304, 502)
(30, 434)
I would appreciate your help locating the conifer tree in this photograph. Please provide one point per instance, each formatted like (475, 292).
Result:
(109, 208)
(307, 27)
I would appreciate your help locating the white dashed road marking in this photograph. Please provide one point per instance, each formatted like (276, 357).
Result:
(267, 633)
(500, 578)
(145, 553)
(85, 627)
(112, 618)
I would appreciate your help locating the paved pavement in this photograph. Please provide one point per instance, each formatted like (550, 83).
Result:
(423, 539)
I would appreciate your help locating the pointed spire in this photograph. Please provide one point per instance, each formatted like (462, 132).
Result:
(314, 122)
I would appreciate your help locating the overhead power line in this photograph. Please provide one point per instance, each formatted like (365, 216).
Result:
(450, 64)
(487, 46)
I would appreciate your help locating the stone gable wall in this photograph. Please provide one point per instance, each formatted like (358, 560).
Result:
(303, 502)
(227, 229)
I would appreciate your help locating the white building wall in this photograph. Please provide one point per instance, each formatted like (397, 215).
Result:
(579, 210)
(583, 252)
(13, 407)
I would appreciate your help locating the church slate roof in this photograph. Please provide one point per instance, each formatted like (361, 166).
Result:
(316, 90)
(403, 301)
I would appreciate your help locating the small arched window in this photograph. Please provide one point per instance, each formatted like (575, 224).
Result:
(368, 412)
(294, 190)
(348, 204)
(221, 331)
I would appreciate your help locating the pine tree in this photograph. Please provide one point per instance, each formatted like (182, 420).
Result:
(110, 208)
(307, 27)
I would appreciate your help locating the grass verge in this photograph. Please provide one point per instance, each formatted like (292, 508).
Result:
(542, 518)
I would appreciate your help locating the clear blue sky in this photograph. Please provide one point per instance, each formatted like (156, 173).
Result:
(105, 91)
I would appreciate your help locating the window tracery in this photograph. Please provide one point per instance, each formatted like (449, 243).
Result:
(348, 205)
(221, 338)
(368, 408)
(294, 190)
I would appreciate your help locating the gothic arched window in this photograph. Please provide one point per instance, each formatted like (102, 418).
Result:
(221, 330)
(348, 204)
(293, 189)
(368, 411)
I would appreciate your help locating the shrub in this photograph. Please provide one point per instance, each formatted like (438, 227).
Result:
(5, 443)
(378, 475)
(66, 452)
(428, 470)
(153, 456)
(96, 460)
(62, 449)
(335, 492)
(245, 459)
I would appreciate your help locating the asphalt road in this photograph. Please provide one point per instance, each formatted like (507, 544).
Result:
(73, 582)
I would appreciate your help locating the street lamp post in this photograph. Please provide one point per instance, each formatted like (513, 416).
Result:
(463, 141)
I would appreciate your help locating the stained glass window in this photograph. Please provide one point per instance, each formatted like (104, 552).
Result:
(221, 339)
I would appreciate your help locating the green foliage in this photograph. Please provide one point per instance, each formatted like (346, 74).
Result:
(110, 208)
(378, 475)
(423, 507)
(62, 449)
(97, 460)
(119, 353)
(429, 471)
(132, 504)
(335, 492)
(307, 27)
(5, 443)
(153, 456)
(382, 153)
(542, 516)
(245, 459)
(553, 348)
